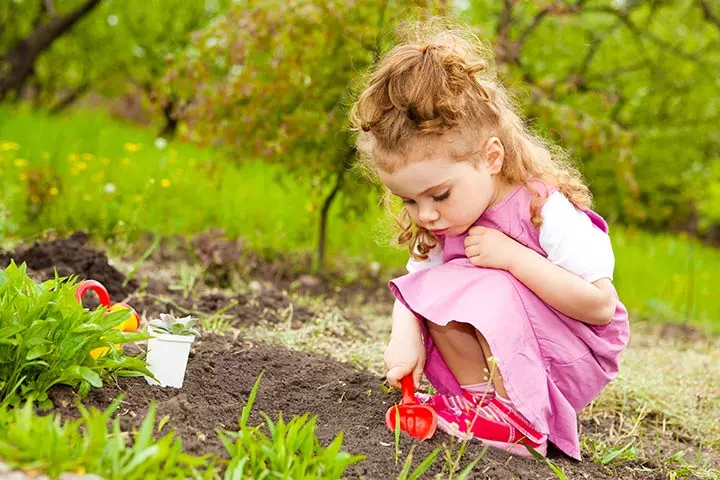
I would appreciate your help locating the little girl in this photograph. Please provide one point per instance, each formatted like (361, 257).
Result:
(509, 307)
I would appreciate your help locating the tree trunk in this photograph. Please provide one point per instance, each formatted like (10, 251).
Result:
(322, 235)
(20, 59)
(171, 122)
(69, 99)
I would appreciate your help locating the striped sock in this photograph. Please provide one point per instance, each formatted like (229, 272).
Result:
(484, 387)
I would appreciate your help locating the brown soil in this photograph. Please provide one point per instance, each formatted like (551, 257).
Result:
(221, 257)
(221, 373)
(270, 305)
(70, 256)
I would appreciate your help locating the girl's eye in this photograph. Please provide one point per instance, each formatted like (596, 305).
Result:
(442, 196)
(407, 201)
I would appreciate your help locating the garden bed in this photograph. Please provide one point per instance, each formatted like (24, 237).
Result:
(223, 368)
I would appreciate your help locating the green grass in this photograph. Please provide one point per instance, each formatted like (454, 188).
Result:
(92, 444)
(86, 171)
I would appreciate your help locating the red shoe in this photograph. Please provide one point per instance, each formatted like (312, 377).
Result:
(494, 423)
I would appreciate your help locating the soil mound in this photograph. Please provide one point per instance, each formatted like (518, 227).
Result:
(70, 256)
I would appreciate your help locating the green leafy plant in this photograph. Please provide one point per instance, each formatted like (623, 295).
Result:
(46, 337)
(288, 449)
(169, 324)
(406, 474)
(48, 444)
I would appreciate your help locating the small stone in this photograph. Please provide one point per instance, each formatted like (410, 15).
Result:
(255, 286)
(79, 476)
(308, 280)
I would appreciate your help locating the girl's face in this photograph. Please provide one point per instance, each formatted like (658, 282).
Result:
(442, 194)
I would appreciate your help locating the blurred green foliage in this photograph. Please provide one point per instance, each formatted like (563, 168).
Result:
(629, 87)
(121, 47)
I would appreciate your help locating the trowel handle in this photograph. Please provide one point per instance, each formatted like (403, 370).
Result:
(407, 385)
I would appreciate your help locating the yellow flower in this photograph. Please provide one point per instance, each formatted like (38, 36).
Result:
(34, 199)
(53, 191)
(87, 156)
(165, 183)
(20, 162)
(87, 197)
(132, 147)
(138, 198)
(310, 207)
(9, 146)
(46, 155)
(81, 166)
(73, 157)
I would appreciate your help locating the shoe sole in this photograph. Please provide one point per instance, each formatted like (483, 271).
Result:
(517, 449)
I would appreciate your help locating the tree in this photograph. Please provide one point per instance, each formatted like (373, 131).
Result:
(629, 87)
(121, 47)
(17, 62)
(273, 79)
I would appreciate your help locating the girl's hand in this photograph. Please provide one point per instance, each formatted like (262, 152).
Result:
(487, 247)
(404, 356)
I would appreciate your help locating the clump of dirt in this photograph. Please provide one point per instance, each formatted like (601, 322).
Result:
(270, 305)
(221, 373)
(70, 256)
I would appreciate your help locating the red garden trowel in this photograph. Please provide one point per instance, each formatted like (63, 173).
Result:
(419, 421)
(129, 325)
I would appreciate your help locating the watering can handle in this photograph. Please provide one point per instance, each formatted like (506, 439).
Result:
(96, 287)
(407, 385)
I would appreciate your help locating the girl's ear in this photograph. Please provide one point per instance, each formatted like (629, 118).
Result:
(494, 155)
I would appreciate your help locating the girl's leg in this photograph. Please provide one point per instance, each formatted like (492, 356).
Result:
(461, 350)
(465, 352)
(495, 422)
(496, 378)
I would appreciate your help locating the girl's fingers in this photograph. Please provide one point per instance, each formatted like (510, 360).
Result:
(394, 375)
(473, 250)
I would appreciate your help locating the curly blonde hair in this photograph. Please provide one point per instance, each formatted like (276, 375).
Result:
(440, 82)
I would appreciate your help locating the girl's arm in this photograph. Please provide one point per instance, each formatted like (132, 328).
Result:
(404, 323)
(592, 303)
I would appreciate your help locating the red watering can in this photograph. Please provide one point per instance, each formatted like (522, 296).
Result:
(129, 325)
(419, 421)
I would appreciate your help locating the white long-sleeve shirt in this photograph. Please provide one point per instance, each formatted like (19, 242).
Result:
(568, 237)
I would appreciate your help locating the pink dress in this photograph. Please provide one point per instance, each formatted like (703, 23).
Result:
(552, 365)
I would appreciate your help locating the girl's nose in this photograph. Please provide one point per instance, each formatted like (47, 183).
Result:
(428, 214)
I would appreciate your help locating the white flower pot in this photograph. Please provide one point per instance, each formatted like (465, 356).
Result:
(167, 358)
